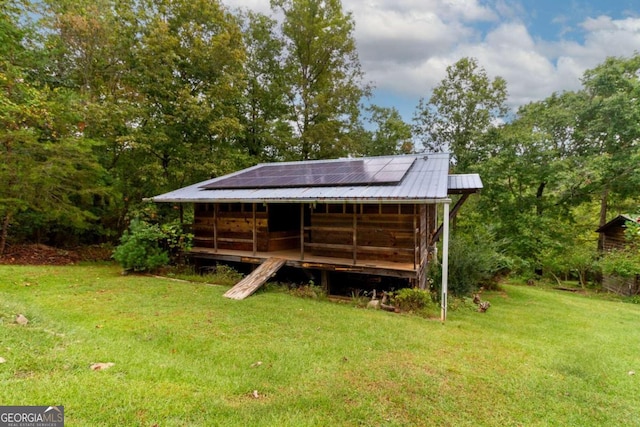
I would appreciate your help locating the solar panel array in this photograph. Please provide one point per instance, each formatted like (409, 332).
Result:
(374, 171)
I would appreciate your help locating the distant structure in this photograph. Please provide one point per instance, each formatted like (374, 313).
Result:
(613, 234)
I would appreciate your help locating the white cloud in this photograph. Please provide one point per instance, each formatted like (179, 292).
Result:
(406, 45)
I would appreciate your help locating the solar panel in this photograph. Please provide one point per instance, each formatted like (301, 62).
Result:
(377, 171)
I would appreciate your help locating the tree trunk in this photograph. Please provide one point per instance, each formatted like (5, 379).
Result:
(603, 217)
(539, 194)
(4, 232)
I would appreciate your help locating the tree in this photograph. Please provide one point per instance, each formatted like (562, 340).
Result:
(465, 105)
(391, 134)
(47, 170)
(535, 178)
(266, 131)
(88, 50)
(608, 129)
(323, 77)
(188, 116)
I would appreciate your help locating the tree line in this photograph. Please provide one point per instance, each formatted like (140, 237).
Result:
(106, 102)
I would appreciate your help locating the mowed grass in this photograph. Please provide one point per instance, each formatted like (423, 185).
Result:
(186, 356)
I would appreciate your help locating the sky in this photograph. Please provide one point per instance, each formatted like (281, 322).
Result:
(537, 46)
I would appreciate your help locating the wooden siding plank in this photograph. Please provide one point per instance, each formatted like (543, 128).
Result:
(257, 278)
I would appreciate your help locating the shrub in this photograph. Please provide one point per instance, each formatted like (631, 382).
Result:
(622, 263)
(412, 299)
(309, 290)
(175, 241)
(473, 262)
(227, 275)
(139, 248)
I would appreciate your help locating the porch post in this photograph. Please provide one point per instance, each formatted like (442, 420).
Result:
(445, 261)
(301, 231)
(215, 227)
(255, 230)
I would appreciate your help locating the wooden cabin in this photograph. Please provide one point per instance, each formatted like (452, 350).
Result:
(613, 232)
(613, 238)
(376, 216)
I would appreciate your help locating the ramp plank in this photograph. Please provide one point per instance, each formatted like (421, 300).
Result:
(257, 278)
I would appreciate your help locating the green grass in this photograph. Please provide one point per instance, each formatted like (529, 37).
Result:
(183, 356)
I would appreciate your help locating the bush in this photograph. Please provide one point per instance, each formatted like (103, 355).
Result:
(175, 241)
(139, 248)
(413, 299)
(310, 290)
(473, 262)
(621, 263)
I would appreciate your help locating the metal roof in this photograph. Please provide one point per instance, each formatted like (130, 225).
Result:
(427, 181)
(464, 183)
(618, 221)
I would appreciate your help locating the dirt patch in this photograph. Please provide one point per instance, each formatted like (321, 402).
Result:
(39, 254)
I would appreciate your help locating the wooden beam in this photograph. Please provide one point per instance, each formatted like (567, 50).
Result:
(255, 229)
(302, 231)
(355, 238)
(451, 215)
(314, 263)
(445, 264)
(215, 227)
(372, 249)
(324, 281)
(415, 237)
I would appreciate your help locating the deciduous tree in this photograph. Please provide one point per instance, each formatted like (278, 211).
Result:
(462, 107)
(324, 78)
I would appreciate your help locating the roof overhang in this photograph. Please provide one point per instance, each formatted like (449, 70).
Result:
(426, 182)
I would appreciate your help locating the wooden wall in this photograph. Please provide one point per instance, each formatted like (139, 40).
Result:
(626, 286)
(357, 232)
(390, 232)
(232, 226)
(614, 238)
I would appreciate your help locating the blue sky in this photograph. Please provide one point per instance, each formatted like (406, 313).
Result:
(537, 46)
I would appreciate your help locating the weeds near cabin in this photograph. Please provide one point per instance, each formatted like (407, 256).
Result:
(227, 275)
(221, 274)
(359, 299)
(417, 301)
(309, 290)
(412, 299)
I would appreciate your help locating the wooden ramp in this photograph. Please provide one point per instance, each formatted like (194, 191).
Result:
(257, 278)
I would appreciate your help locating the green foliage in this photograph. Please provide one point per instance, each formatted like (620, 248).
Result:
(413, 299)
(465, 105)
(391, 135)
(140, 249)
(105, 103)
(570, 260)
(309, 290)
(175, 240)
(462, 303)
(323, 77)
(227, 275)
(474, 261)
(622, 263)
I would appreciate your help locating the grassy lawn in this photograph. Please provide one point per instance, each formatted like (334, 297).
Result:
(186, 356)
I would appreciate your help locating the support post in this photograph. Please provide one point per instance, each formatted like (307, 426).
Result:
(445, 261)
(415, 239)
(355, 237)
(255, 230)
(302, 231)
(324, 280)
(215, 227)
